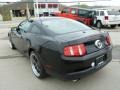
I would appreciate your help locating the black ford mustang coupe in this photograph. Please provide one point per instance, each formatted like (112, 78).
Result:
(61, 47)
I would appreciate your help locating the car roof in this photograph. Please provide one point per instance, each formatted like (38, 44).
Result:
(42, 19)
(101, 9)
(89, 9)
(46, 18)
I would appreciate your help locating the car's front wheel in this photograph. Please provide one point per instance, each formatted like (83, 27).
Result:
(11, 45)
(36, 65)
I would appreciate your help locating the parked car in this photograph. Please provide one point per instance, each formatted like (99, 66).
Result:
(83, 15)
(106, 17)
(61, 47)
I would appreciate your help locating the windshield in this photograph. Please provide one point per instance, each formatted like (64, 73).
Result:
(61, 26)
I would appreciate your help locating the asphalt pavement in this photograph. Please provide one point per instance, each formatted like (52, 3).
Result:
(16, 73)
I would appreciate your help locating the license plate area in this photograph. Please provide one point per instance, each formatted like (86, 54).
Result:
(100, 60)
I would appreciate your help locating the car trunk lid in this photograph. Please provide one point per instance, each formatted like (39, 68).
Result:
(83, 37)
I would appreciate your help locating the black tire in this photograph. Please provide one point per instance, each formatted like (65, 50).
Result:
(113, 26)
(99, 24)
(37, 66)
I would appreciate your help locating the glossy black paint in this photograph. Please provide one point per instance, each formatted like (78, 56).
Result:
(50, 48)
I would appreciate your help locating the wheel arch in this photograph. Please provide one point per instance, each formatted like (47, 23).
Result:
(30, 50)
(99, 21)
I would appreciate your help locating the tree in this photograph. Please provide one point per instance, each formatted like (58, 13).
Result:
(84, 6)
(81, 6)
(5, 12)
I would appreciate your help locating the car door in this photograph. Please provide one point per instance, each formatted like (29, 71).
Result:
(102, 17)
(37, 36)
(21, 39)
(96, 17)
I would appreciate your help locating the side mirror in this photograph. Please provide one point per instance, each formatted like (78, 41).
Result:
(13, 28)
(16, 29)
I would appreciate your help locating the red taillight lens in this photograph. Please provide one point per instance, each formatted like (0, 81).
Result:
(76, 50)
(108, 40)
(106, 18)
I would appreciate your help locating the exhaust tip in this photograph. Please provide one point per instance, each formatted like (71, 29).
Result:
(76, 80)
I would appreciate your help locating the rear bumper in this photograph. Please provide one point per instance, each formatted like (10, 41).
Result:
(77, 67)
(111, 22)
(81, 74)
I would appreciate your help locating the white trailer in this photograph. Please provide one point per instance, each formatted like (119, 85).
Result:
(45, 7)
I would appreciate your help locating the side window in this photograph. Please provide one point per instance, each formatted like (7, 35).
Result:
(24, 26)
(66, 10)
(73, 11)
(35, 29)
(97, 13)
(102, 13)
(83, 13)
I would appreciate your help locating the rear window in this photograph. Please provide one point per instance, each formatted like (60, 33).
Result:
(61, 26)
(113, 13)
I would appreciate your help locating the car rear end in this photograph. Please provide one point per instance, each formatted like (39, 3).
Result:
(78, 50)
(111, 17)
(81, 57)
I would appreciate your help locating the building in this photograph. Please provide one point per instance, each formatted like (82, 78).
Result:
(44, 7)
(18, 9)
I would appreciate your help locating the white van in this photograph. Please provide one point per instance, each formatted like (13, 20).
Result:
(105, 17)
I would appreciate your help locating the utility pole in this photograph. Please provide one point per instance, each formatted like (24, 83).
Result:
(36, 8)
(78, 3)
(47, 10)
(27, 11)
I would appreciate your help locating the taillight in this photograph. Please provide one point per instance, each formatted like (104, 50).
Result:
(106, 18)
(75, 50)
(108, 40)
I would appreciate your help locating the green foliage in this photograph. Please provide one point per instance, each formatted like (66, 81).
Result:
(84, 6)
(5, 12)
(81, 5)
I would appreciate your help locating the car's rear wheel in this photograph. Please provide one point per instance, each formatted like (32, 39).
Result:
(113, 26)
(37, 66)
(99, 24)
